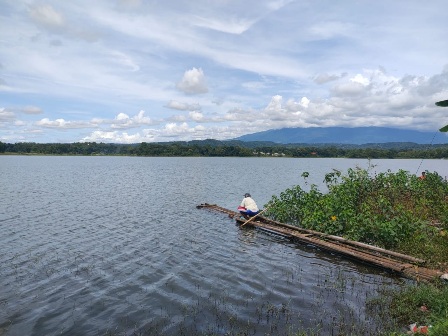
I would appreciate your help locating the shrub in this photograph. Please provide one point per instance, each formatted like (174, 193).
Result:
(385, 209)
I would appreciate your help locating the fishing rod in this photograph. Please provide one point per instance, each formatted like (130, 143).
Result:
(442, 103)
(253, 217)
(418, 169)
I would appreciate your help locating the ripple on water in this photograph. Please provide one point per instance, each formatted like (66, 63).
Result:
(97, 245)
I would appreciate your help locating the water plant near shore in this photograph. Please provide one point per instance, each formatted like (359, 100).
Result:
(388, 209)
(424, 304)
(399, 211)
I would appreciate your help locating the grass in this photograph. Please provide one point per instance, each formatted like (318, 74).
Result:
(422, 303)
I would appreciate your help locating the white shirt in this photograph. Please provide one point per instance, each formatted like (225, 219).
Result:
(249, 204)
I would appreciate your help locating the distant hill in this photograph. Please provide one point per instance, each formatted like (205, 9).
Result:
(345, 135)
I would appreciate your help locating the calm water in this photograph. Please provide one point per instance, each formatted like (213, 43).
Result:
(115, 245)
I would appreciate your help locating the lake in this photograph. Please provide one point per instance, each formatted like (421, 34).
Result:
(116, 246)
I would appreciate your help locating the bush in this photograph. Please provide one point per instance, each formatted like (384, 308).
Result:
(392, 210)
(385, 209)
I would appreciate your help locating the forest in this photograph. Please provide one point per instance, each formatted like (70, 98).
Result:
(215, 148)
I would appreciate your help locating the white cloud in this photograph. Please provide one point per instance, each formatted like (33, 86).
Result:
(193, 82)
(304, 102)
(131, 3)
(122, 116)
(277, 4)
(122, 120)
(275, 104)
(360, 79)
(32, 110)
(62, 124)
(113, 137)
(176, 105)
(268, 64)
(196, 116)
(349, 89)
(6, 116)
(325, 78)
(54, 21)
(170, 131)
(329, 29)
(232, 26)
(47, 16)
(125, 60)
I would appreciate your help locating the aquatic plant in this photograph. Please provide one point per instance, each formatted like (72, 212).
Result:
(387, 209)
(395, 210)
(424, 304)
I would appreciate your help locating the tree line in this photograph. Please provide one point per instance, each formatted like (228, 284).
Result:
(214, 148)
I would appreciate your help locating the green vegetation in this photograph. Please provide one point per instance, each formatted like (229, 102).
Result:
(392, 210)
(398, 211)
(211, 148)
(422, 304)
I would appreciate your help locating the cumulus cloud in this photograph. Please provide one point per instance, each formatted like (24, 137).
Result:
(370, 99)
(275, 104)
(10, 114)
(355, 86)
(304, 102)
(360, 79)
(62, 124)
(196, 116)
(325, 78)
(122, 120)
(263, 70)
(193, 82)
(349, 89)
(237, 114)
(174, 130)
(32, 110)
(113, 137)
(181, 131)
(176, 105)
(6, 116)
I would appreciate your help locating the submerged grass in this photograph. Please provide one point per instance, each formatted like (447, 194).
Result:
(423, 304)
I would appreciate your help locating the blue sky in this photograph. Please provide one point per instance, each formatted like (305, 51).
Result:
(128, 71)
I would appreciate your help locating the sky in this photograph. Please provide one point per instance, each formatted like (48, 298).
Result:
(131, 71)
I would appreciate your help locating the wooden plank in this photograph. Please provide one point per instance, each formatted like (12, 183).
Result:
(362, 255)
(351, 242)
(403, 264)
(406, 269)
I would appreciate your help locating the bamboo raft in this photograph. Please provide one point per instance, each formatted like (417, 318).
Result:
(402, 264)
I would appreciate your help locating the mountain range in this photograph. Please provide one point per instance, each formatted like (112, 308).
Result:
(345, 135)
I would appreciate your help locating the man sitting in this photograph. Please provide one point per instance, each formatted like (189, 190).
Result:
(248, 208)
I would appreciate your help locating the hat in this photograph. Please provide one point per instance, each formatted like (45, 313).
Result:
(246, 195)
